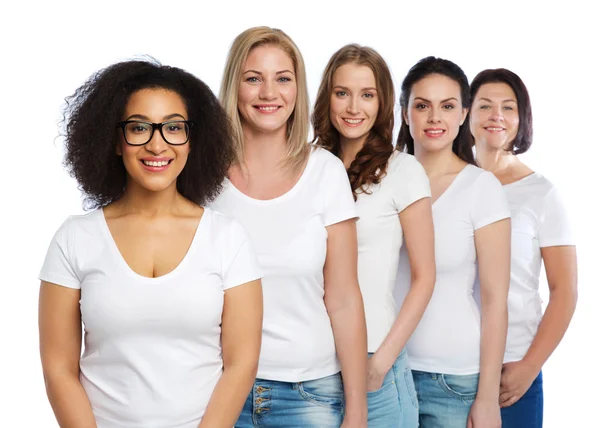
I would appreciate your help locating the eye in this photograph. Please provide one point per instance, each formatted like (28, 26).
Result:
(252, 79)
(137, 127)
(507, 108)
(173, 128)
(448, 106)
(421, 106)
(368, 95)
(284, 79)
(484, 107)
(341, 93)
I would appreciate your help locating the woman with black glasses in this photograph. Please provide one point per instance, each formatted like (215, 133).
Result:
(168, 290)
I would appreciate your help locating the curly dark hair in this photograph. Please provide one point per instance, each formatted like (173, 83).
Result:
(463, 143)
(370, 164)
(91, 135)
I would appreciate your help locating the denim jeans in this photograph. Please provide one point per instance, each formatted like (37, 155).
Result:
(395, 403)
(528, 412)
(314, 403)
(444, 400)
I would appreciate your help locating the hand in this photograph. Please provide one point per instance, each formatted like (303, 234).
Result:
(375, 373)
(484, 414)
(516, 379)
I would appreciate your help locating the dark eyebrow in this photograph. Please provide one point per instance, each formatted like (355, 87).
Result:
(504, 101)
(168, 117)
(346, 89)
(443, 101)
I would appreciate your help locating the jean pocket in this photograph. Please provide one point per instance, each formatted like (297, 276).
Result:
(327, 391)
(388, 383)
(461, 386)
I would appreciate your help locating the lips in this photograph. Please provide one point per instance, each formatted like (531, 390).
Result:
(434, 132)
(352, 122)
(156, 164)
(267, 109)
(494, 128)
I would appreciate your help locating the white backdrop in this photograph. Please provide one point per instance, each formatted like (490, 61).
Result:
(48, 49)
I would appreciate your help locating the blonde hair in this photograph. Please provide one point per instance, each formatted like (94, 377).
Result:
(297, 126)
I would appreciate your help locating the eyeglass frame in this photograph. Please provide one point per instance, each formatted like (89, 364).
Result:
(156, 126)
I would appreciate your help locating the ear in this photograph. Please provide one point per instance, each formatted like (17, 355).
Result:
(405, 116)
(464, 115)
(118, 149)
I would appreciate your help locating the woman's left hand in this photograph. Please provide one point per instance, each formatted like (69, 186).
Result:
(517, 378)
(484, 414)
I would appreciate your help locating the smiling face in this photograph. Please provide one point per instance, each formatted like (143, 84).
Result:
(434, 113)
(267, 92)
(156, 165)
(494, 118)
(354, 102)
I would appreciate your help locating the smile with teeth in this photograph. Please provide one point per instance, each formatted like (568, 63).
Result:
(267, 108)
(434, 131)
(492, 128)
(353, 121)
(156, 163)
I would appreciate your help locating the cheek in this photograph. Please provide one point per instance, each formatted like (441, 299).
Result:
(289, 94)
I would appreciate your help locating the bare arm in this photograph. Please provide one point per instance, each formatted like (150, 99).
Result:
(417, 225)
(345, 307)
(561, 271)
(493, 257)
(60, 349)
(241, 331)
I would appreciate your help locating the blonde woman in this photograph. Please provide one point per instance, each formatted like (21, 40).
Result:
(296, 204)
(354, 119)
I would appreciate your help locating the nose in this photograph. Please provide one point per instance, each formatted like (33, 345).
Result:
(157, 144)
(352, 106)
(267, 90)
(496, 114)
(434, 115)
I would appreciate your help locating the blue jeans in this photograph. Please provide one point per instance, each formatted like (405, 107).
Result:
(395, 403)
(444, 400)
(314, 403)
(528, 412)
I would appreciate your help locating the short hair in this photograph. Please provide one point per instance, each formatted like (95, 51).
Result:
(370, 163)
(524, 137)
(462, 146)
(297, 126)
(91, 135)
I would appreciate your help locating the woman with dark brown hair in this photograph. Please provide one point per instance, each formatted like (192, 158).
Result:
(354, 119)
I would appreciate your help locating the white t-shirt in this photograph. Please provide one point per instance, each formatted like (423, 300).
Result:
(290, 238)
(152, 352)
(447, 339)
(539, 219)
(380, 239)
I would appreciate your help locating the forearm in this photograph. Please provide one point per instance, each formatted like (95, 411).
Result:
(408, 318)
(494, 324)
(69, 401)
(350, 335)
(229, 395)
(552, 328)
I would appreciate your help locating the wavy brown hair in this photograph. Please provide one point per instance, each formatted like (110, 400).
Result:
(370, 164)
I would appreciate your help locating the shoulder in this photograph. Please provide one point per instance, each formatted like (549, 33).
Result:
(82, 222)
(404, 164)
(224, 228)
(323, 163)
(320, 156)
(480, 178)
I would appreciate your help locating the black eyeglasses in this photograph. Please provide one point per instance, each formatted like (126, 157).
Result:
(175, 132)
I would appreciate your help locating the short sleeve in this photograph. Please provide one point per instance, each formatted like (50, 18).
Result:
(58, 267)
(410, 183)
(339, 205)
(490, 203)
(240, 263)
(555, 228)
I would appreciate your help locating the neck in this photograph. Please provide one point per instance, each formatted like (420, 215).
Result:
(148, 203)
(264, 151)
(497, 161)
(350, 148)
(439, 162)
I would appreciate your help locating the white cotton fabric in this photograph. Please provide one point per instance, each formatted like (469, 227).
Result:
(290, 238)
(380, 238)
(539, 219)
(152, 353)
(447, 339)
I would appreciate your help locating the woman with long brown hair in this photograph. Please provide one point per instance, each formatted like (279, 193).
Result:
(354, 119)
